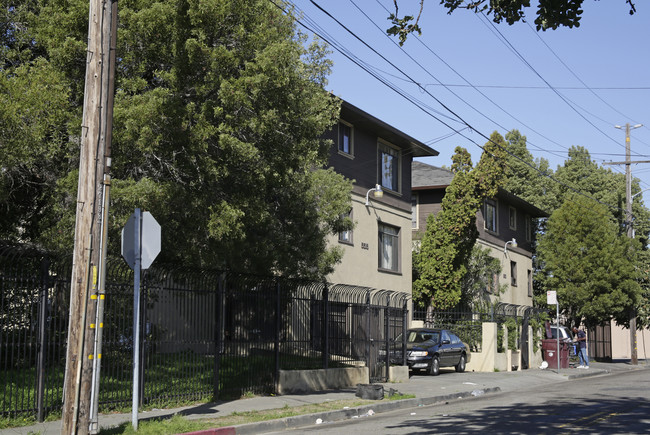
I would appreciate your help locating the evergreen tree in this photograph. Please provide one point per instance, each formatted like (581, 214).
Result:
(219, 111)
(451, 234)
(589, 263)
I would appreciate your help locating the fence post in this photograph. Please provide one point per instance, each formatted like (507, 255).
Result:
(404, 329)
(144, 297)
(388, 347)
(218, 333)
(278, 326)
(42, 337)
(326, 333)
(368, 334)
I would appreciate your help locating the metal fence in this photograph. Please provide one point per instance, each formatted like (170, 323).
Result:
(467, 323)
(205, 334)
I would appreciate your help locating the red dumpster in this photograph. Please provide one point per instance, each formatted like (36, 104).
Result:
(549, 349)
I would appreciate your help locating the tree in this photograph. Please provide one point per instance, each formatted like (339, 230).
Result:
(528, 178)
(218, 118)
(551, 14)
(479, 281)
(451, 234)
(589, 263)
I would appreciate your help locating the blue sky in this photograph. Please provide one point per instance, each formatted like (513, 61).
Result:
(558, 88)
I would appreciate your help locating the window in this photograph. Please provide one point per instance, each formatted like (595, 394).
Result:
(414, 211)
(530, 283)
(345, 138)
(346, 236)
(512, 218)
(513, 273)
(491, 215)
(389, 163)
(529, 228)
(494, 284)
(388, 247)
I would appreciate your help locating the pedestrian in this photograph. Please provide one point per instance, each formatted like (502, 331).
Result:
(581, 340)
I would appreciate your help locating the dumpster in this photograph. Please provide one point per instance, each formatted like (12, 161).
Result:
(549, 349)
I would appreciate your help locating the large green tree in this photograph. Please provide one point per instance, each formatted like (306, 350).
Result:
(527, 177)
(589, 263)
(219, 111)
(441, 263)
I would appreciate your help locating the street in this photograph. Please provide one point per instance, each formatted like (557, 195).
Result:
(617, 403)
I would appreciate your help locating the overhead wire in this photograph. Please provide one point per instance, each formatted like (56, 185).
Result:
(471, 128)
(543, 173)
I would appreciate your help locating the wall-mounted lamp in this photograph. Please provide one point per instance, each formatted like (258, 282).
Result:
(512, 242)
(378, 193)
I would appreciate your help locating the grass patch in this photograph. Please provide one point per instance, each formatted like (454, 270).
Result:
(179, 424)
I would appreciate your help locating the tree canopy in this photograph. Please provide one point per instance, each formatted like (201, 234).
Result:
(219, 111)
(589, 263)
(550, 14)
(441, 263)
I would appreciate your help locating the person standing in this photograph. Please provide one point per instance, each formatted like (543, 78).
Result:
(581, 339)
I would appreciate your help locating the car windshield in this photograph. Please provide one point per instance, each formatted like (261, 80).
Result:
(422, 336)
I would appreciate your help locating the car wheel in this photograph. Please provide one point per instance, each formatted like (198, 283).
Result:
(434, 369)
(460, 367)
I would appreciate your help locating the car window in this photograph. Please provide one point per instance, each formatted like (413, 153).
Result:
(422, 336)
(454, 339)
(445, 336)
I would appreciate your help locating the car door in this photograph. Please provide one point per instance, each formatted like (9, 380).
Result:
(445, 349)
(455, 349)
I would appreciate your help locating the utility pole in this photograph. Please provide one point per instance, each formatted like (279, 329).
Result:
(629, 227)
(94, 165)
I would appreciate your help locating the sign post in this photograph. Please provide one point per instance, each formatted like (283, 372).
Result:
(140, 247)
(551, 298)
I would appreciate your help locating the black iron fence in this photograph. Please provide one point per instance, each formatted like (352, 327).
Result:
(205, 334)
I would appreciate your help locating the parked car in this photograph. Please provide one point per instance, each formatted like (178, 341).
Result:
(431, 348)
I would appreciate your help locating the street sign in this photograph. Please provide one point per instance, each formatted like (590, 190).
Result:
(551, 297)
(149, 240)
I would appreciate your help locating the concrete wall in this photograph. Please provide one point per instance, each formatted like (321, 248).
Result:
(302, 381)
(360, 263)
(621, 343)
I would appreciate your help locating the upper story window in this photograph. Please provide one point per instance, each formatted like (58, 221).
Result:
(388, 247)
(491, 215)
(529, 228)
(389, 166)
(513, 273)
(512, 218)
(414, 211)
(346, 138)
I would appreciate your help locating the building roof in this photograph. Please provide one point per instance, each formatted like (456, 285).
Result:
(360, 118)
(428, 177)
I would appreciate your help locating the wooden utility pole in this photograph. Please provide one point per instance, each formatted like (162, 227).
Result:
(94, 164)
(629, 227)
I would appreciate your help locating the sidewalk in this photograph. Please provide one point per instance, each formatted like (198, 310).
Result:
(427, 390)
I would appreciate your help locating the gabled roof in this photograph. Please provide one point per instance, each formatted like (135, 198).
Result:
(428, 177)
(358, 117)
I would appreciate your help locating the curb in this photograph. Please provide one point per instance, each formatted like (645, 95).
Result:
(347, 414)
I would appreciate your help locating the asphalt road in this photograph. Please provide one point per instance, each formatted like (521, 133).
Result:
(612, 404)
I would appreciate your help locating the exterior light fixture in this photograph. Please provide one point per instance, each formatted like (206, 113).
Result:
(512, 242)
(378, 193)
